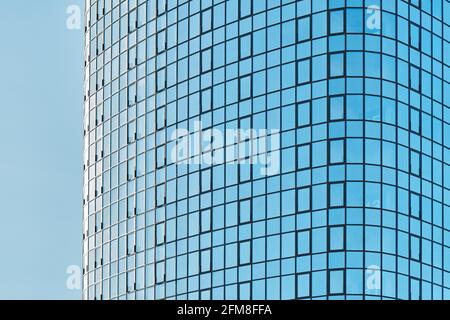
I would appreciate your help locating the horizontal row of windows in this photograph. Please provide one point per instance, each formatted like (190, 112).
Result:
(411, 238)
(311, 155)
(411, 208)
(204, 186)
(206, 261)
(168, 270)
(98, 8)
(314, 120)
(284, 76)
(275, 13)
(287, 33)
(240, 49)
(338, 281)
(313, 113)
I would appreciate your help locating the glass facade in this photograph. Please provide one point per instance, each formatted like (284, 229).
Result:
(356, 96)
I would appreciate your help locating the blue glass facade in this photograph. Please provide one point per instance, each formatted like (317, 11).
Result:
(354, 92)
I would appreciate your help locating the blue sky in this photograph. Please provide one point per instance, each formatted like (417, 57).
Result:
(41, 109)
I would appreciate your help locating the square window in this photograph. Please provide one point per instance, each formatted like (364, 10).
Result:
(206, 180)
(415, 163)
(304, 114)
(304, 71)
(303, 243)
(304, 29)
(206, 60)
(206, 220)
(206, 20)
(245, 87)
(245, 46)
(160, 195)
(415, 120)
(304, 157)
(336, 282)
(303, 285)
(415, 248)
(414, 33)
(337, 151)
(304, 199)
(414, 78)
(244, 211)
(336, 194)
(336, 21)
(337, 238)
(415, 205)
(160, 157)
(337, 65)
(319, 153)
(337, 108)
(246, 8)
(160, 233)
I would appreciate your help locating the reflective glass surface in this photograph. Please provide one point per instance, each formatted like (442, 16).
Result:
(358, 95)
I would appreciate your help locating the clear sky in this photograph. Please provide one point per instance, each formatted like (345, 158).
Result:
(41, 109)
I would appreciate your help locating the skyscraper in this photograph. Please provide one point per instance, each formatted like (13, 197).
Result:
(267, 149)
